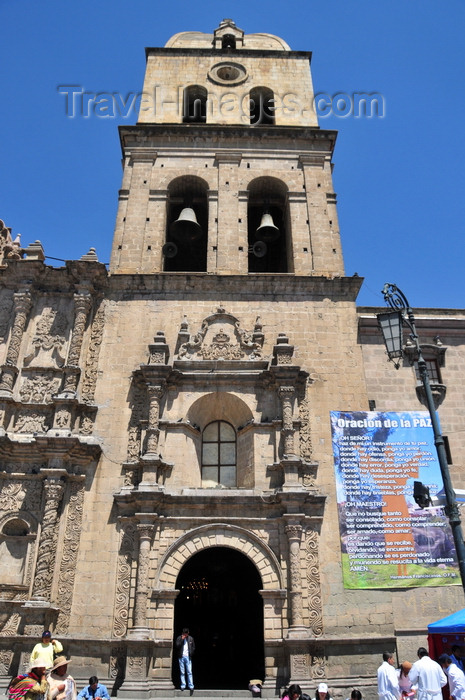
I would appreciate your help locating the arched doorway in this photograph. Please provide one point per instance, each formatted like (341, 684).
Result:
(220, 604)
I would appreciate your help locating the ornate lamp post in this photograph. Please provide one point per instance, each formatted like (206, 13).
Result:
(391, 324)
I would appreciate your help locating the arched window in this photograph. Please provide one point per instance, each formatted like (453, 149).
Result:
(262, 106)
(219, 454)
(194, 105)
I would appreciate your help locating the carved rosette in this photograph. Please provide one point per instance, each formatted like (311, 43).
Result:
(22, 306)
(89, 380)
(140, 609)
(294, 534)
(286, 395)
(70, 553)
(48, 541)
(123, 580)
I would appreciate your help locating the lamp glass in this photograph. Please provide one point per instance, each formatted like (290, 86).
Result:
(390, 324)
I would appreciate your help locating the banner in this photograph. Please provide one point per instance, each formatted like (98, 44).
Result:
(387, 541)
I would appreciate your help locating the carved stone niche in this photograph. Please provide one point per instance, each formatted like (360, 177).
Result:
(220, 337)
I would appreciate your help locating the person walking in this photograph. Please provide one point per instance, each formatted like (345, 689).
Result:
(428, 676)
(388, 685)
(185, 647)
(455, 676)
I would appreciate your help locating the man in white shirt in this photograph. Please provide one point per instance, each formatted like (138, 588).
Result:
(428, 675)
(388, 685)
(455, 676)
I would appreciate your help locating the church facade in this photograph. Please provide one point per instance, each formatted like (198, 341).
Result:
(165, 443)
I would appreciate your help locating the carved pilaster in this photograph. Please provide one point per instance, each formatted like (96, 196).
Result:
(313, 582)
(155, 393)
(123, 579)
(286, 395)
(22, 306)
(294, 535)
(70, 552)
(90, 373)
(43, 579)
(145, 531)
(82, 305)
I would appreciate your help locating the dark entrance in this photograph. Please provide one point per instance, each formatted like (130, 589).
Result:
(220, 604)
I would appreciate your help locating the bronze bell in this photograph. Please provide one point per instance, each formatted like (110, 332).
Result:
(186, 226)
(267, 231)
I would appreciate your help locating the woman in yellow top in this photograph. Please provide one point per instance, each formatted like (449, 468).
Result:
(47, 649)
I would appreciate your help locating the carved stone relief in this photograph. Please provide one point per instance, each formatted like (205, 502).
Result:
(123, 579)
(48, 340)
(313, 582)
(31, 421)
(221, 337)
(70, 553)
(6, 308)
(89, 379)
(39, 388)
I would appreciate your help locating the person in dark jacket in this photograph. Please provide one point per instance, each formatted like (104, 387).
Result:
(185, 647)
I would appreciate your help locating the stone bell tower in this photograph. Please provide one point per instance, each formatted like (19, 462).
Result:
(227, 260)
(227, 133)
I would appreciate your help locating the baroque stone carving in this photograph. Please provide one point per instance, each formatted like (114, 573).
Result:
(117, 663)
(48, 540)
(82, 304)
(10, 628)
(89, 380)
(305, 437)
(123, 580)
(6, 657)
(6, 307)
(70, 553)
(39, 388)
(48, 340)
(221, 337)
(22, 305)
(30, 421)
(9, 249)
(20, 495)
(313, 582)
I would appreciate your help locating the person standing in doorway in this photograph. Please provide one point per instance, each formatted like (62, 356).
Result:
(185, 647)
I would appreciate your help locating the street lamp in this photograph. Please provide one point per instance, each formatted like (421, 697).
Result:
(391, 324)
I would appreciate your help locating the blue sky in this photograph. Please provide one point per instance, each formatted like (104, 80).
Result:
(399, 178)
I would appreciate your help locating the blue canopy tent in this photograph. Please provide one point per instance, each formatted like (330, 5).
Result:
(444, 633)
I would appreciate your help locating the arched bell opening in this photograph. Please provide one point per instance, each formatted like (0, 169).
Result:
(194, 105)
(220, 603)
(269, 241)
(185, 249)
(262, 106)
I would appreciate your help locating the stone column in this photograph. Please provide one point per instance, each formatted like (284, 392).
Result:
(286, 394)
(294, 535)
(22, 306)
(140, 629)
(41, 590)
(82, 306)
(155, 392)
